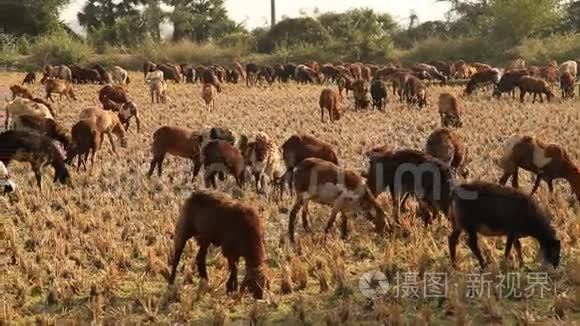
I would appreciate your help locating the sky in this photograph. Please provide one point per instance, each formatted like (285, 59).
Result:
(256, 13)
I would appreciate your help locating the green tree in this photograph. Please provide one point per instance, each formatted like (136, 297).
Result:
(513, 20)
(30, 17)
(293, 32)
(201, 20)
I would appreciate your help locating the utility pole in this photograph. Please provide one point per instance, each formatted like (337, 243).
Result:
(273, 12)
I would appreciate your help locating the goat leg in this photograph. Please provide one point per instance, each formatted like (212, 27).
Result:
(472, 242)
(453, 239)
(232, 283)
(292, 220)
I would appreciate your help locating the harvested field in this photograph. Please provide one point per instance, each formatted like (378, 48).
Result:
(98, 252)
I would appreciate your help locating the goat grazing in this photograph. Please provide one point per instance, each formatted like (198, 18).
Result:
(23, 106)
(342, 189)
(415, 92)
(547, 161)
(263, 157)
(379, 94)
(85, 140)
(536, 86)
(495, 210)
(44, 126)
(411, 172)
(235, 227)
(59, 86)
(107, 122)
(329, 100)
(220, 156)
(36, 149)
(450, 110)
(447, 146)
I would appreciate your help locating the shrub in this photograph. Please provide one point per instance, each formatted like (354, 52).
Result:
(540, 51)
(59, 48)
(467, 48)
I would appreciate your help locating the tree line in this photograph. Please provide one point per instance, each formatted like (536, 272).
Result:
(362, 33)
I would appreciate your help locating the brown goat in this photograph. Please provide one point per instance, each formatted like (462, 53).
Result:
(547, 161)
(494, 210)
(360, 89)
(128, 111)
(175, 141)
(235, 227)
(264, 159)
(536, 86)
(108, 123)
(300, 147)
(59, 86)
(221, 157)
(208, 94)
(448, 146)
(567, 82)
(415, 92)
(450, 110)
(344, 82)
(115, 93)
(342, 189)
(21, 91)
(329, 100)
(85, 140)
(44, 126)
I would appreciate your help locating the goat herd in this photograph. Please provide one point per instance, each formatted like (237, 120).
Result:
(306, 166)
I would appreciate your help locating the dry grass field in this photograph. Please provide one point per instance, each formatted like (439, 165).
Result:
(97, 253)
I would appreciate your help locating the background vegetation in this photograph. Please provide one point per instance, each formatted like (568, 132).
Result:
(201, 32)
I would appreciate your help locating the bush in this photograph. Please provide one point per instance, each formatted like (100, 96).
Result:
(469, 49)
(59, 48)
(540, 51)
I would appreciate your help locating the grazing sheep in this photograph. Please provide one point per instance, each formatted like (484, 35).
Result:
(208, 94)
(413, 172)
(486, 77)
(44, 126)
(360, 90)
(60, 87)
(379, 94)
(509, 82)
(330, 101)
(29, 79)
(220, 156)
(107, 122)
(85, 140)
(340, 188)
(448, 146)
(415, 92)
(120, 75)
(232, 225)
(157, 89)
(36, 149)
(547, 161)
(263, 157)
(6, 184)
(20, 91)
(450, 110)
(567, 82)
(115, 93)
(536, 86)
(24, 106)
(495, 210)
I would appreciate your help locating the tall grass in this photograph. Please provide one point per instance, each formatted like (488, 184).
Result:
(557, 47)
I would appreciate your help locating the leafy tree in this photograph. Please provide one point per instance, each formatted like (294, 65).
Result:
(294, 31)
(571, 21)
(200, 20)
(513, 20)
(30, 17)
